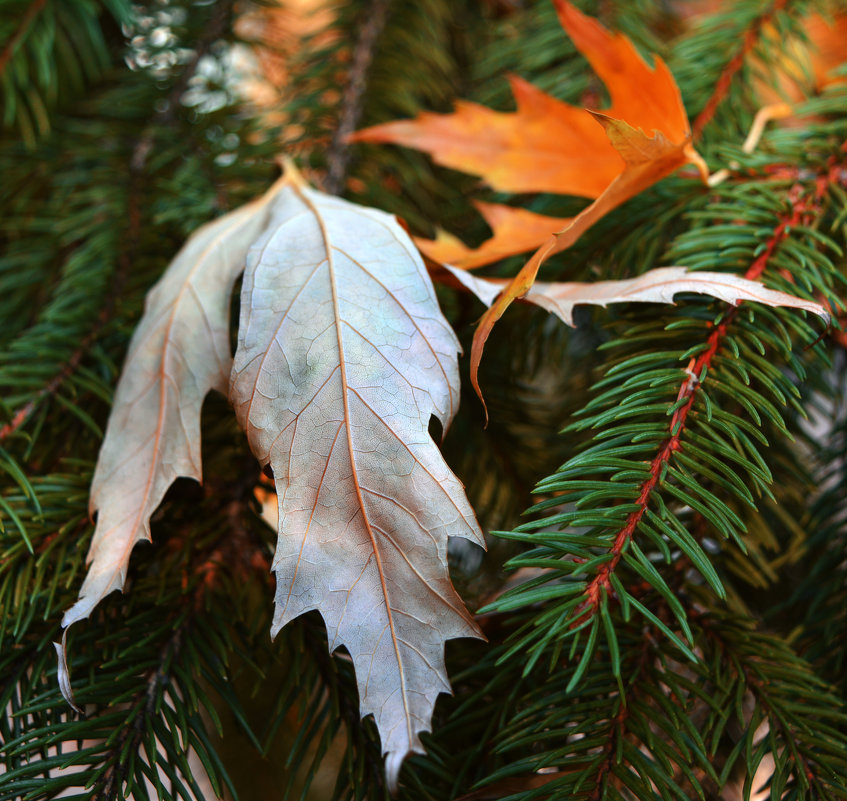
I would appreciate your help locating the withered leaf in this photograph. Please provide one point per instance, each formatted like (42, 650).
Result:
(180, 350)
(343, 356)
(547, 145)
(655, 286)
(550, 146)
(647, 160)
(540, 147)
(515, 231)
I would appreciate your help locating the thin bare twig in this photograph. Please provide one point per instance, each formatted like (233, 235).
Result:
(31, 13)
(338, 157)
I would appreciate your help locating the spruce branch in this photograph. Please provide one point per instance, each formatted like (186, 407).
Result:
(805, 721)
(581, 693)
(805, 204)
(612, 738)
(644, 475)
(751, 38)
(35, 8)
(139, 152)
(617, 725)
(125, 259)
(235, 554)
(50, 51)
(338, 155)
(132, 733)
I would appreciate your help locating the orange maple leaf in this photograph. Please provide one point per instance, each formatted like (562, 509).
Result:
(515, 231)
(548, 145)
(544, 146)
(648, 160)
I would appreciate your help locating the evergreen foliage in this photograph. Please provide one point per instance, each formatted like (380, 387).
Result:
(668, 621)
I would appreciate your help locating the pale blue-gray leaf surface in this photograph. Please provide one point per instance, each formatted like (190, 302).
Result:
(343, 357)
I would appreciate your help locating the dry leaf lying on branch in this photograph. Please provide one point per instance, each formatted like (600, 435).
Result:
(547, 145)
(654, 286)
(343, 356)
(180, 350)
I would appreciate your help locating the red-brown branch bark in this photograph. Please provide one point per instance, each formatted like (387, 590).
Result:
(26, 21)
(735, 64)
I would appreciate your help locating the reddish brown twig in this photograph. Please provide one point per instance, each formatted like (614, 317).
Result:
(338, 156)
(721, 89)
(31, 13)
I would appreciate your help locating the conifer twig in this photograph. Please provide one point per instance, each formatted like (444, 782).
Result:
(215, 29)
(805, 205)
(758, 686)
(114, 775)
(618, 723)
(234, 548)
(735, 64)
(338, 157)
(24, 412)
(26, 21)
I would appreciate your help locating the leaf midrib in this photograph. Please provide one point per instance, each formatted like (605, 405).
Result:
(344, 394)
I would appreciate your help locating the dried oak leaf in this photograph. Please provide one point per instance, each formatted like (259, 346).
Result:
(343, 356)
(180, 351)
(654, 286)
